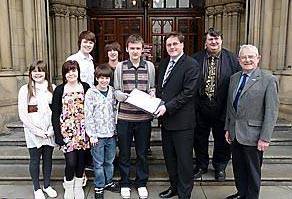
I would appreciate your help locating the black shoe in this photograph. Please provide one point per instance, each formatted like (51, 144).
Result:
(98, 193)
(198, 172)
(113, 187)
(169, 193)
(234, 196)
(220, 175)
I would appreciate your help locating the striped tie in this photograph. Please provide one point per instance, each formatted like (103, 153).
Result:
(168, 71)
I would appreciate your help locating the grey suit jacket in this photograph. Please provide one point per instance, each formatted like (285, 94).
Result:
(257, 110)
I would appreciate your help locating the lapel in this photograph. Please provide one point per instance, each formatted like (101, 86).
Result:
(255, 76)
(234, 85)
(175, 68)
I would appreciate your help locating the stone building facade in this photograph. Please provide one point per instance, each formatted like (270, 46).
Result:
(33, 29)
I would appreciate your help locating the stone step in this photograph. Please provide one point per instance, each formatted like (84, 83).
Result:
(16, 138)
(20, 155)
(272, 174)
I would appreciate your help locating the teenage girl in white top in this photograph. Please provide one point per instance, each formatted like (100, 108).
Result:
(34, 101)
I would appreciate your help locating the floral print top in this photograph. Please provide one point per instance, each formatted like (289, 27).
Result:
(73, 122)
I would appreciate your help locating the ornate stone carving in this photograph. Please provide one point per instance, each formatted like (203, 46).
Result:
(218, 10)
(58, 9)
(210, 11)
(234, 7)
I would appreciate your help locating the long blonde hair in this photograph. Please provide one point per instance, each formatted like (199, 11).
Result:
(40, 66)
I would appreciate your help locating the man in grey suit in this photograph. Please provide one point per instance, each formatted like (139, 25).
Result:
(252, 110)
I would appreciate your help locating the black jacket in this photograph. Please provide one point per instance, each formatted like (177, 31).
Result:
(57, 110)
(229, 66)
(178, 93)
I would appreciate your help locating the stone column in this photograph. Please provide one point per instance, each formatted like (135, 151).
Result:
(67, 44)
(254, 13)
(28, 32)
(5, 39)
(210, 13)
(267, 36)
(74, 29)
(289, 40)
(218, 18)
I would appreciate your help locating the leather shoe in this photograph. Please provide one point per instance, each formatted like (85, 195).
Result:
(198, 172)
(234, 196)
(169, 193)
(220, 175)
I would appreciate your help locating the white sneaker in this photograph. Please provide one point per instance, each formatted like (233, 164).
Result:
(39, 194)
(50, 191)
(142, 192)
(125, 192)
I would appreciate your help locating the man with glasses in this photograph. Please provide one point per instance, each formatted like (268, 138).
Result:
(176, 87)
(217, 65)
(252, 110)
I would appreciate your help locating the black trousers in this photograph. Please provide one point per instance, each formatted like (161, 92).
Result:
(178, 154)
(35, 154)
(221, 151)
(247, 162)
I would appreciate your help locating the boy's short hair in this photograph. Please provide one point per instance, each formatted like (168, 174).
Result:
(102, 70)
(135, 38)
(90, 36)
(114, 45)
(179, 35)
(214, 33)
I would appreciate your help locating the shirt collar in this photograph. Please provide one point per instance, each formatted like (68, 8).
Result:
(216, 56)
(82, 56)
(142, 64)
(177, 58)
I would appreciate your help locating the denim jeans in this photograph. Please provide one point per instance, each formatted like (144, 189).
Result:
(141, 133)
(103, 155)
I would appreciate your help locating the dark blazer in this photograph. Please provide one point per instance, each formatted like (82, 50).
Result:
(178, 93)
(229, 66)
(57, 110)
(257, 110)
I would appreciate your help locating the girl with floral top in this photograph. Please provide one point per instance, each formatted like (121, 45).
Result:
(69, 126)
(100, 127)
(34, 101)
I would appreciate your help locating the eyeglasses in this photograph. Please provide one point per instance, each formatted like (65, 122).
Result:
(174, 44)
(248, 57)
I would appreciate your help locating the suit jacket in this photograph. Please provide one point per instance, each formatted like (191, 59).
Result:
(178, 93)
(229, 66)
(257, 110)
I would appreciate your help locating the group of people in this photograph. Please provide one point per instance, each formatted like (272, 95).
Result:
(88, 116)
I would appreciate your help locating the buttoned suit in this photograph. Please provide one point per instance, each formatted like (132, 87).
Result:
(177, 122)
(255, 118)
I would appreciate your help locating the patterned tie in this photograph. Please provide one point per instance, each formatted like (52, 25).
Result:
(241, 86)
(167, 72)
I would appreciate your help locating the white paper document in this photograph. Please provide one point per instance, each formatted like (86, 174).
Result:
(143, 101)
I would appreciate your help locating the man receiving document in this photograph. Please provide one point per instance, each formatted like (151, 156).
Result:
(144, 101)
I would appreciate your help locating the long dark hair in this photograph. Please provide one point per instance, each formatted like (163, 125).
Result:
(39, 66)
(70, 65)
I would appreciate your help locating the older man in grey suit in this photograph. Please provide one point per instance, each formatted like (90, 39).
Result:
(252, 110)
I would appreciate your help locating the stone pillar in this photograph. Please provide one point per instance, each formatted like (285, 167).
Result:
(210, 13)
(28, 32)
(254, 13)
(218, 18)
(267, 36)
(67, 39)
(5, 39)
(289, 40)
(74, 27)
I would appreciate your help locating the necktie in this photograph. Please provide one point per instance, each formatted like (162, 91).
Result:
(168, 71)
(241, 86)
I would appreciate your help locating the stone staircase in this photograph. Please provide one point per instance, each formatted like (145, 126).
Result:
(277, 167)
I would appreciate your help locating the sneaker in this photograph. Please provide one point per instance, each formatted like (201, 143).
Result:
(39, 194)
(126, 192)
(142, 192)
(50, 191)
(98, 193)
(113, 187)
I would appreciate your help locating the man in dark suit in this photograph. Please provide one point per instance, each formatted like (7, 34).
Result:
(216, 65)
(252, 110)
(176, 87)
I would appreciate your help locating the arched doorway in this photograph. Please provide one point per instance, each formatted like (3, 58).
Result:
(153, 19)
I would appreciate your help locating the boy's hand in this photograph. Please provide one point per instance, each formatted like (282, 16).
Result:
(93, 141)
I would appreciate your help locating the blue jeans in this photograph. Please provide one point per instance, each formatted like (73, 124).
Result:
(141, 133)
(103, 155)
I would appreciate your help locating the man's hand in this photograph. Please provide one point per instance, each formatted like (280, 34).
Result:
(160, 111)
(227, 137)
(263, 145)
